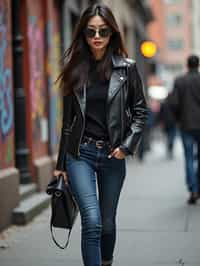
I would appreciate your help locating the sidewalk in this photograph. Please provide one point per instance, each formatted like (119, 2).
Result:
(155, 225)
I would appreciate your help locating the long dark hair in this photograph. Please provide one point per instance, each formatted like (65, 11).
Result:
(77, 58)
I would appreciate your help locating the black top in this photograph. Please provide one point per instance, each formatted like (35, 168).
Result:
(96, 107)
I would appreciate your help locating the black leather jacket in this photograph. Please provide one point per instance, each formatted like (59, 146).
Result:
(126, 114)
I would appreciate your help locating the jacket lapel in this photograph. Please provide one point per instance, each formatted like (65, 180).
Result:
(116, 82)
(81, 98)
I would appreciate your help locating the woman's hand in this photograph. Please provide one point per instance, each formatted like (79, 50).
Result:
(117, 153)
(57, 173)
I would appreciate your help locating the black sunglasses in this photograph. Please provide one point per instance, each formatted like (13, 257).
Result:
(103, 32)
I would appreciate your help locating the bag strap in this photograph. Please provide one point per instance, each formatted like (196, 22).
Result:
(55, 241)
(53, 237)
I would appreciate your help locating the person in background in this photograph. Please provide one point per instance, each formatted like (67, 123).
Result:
(103, 118)
(168, 124)
(145, 143)
(185, 103)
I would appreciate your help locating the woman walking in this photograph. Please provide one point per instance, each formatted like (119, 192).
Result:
(103, 117)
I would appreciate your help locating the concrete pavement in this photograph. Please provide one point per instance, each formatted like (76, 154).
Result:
(155, 225)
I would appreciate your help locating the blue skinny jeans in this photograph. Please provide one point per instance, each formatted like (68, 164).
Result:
(96, 182)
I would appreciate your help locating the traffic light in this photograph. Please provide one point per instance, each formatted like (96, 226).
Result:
(148, 49)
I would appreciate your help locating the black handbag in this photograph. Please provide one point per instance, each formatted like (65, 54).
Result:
(64, 208)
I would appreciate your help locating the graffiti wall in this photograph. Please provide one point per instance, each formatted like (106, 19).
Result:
(6, 90)
(53, 57)
(38, 91)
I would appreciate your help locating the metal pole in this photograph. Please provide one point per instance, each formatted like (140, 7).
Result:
(21, 149)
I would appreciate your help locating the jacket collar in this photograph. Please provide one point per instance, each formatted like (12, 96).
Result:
(118, 76)
(119, 61)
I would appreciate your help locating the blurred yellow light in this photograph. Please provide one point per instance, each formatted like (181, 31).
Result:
(148, 49)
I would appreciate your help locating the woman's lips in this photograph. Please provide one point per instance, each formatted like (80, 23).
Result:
(97, 43)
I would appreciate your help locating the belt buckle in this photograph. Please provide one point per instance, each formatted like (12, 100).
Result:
(99, 144)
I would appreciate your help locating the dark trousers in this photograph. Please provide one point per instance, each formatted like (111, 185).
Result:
(191, 145)
(196, 136)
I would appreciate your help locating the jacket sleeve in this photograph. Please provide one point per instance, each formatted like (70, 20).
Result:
(138, 109)
(173, 101)
(67, 110)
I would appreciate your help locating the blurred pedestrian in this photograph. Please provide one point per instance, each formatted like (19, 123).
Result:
(103, 118)
(185, 103)
(168, 123)
(145, 143)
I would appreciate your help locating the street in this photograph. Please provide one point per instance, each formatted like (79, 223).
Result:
(155, 224)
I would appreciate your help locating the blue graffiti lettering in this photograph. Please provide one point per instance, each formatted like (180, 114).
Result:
(6, 105)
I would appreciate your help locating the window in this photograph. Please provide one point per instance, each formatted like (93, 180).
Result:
(174, 20)
(175, 44)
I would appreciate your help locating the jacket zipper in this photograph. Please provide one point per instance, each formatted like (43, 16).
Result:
(122, 110)
(83, 128)
(107, 106)
(122, 121)
(81, 137)
(73, 122)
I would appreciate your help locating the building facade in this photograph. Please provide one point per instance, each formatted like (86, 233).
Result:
(9, 175)
(195, 27)
(172, 32)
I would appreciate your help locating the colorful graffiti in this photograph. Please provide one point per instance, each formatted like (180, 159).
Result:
(6, 107)
(37, 81)
(53, 69)
(6, 95)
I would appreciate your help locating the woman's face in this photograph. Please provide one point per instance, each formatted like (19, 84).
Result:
(97, 34)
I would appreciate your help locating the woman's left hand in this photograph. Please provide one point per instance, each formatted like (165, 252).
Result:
(117, 153)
